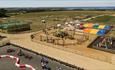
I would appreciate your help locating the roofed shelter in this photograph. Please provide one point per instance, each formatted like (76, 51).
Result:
(14, 26)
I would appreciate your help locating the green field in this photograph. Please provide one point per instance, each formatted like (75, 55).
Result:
(107, 19)
(56, 17)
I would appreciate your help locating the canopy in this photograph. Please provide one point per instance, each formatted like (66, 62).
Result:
(87, 30)
(101, 32)
(94, 31)
(95, 26)
(107, 27)
(101, 26)
(85, 25)
(90, 25)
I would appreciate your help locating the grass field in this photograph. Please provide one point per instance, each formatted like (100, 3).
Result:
(56, 17)
(107, 19)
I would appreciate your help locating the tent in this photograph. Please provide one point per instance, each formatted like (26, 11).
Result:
(101, 32)
(94, 31)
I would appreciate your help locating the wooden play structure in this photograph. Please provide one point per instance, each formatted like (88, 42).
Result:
(82, 38)
(51, 39)
(62, 37)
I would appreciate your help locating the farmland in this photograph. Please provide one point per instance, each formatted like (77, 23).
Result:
(68, 33)
(56, 17)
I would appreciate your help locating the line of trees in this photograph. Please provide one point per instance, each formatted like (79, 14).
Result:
(3, 13)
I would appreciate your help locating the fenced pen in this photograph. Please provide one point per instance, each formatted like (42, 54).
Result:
(104, 58)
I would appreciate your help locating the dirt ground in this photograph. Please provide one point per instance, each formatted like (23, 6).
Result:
(74, 47)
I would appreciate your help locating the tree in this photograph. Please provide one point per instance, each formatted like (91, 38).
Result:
(3, 13)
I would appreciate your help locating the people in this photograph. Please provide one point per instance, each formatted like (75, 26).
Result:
(44, 63)
(44, 60)
(58, 68)
(20, 53)
(32, 36)
(110, 40)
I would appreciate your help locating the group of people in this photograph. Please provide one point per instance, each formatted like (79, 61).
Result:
(44, 64)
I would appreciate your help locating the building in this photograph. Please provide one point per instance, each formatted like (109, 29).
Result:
(14, 26)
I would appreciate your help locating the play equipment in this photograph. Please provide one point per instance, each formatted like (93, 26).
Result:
(18, 62)
(105, 42)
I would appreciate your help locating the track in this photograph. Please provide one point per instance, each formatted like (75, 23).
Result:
(17, 63)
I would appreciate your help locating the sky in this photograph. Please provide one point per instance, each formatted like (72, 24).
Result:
(57, 3)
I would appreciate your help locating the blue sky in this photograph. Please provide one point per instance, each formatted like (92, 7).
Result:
(56, 3)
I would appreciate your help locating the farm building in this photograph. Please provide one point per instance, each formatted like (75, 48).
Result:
(14, 26)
